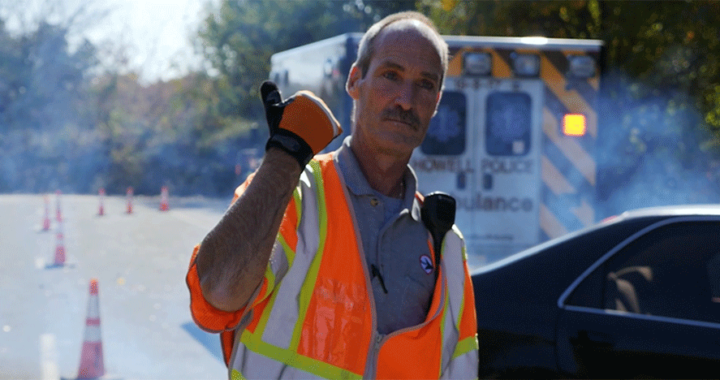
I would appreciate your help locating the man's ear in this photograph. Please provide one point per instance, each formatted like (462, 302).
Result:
(352, 82)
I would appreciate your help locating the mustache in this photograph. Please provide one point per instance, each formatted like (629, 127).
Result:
(400, 114)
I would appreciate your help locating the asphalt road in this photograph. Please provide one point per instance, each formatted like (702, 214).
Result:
(139, 260)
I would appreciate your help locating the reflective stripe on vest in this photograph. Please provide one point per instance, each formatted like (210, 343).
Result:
(318, 320)
(452, 299)
(454, 267)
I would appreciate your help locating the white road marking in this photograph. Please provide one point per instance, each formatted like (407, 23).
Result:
(48, 357)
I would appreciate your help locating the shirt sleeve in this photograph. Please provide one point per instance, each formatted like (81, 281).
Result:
(212, 319)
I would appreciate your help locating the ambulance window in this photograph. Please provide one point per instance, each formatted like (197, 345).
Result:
(446, 133)
(508, 124)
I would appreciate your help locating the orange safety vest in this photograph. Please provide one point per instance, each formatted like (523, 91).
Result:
(313, 314)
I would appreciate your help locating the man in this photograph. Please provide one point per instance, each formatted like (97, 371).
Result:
(323, 267)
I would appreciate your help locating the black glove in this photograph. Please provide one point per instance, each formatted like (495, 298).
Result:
(302, 125)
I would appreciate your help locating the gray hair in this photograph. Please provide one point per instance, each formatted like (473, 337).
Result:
(367, 43)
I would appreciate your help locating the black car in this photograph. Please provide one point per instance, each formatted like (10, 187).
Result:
(637, 295)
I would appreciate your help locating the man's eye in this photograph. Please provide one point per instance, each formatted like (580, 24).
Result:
(428, 85)
(390, 75)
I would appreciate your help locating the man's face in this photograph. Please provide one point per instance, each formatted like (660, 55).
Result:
(399, 94)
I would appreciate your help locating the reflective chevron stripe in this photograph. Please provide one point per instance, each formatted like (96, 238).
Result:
(569, 173)
(317, 323)
(569, 169)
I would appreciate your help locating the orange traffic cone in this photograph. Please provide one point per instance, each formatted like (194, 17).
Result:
(164, 199)
(46, 219)
(101, 211)
(59, 247)
(129, 196)
(58, 213)
(91, 358)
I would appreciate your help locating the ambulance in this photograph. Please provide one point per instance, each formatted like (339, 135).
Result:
(513, 140)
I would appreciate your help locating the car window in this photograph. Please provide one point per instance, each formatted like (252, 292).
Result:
(673, 271)
(589, 293)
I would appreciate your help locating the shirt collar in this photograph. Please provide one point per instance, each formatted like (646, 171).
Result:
(358, 185)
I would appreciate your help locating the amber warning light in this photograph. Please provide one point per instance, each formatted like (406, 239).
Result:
(574, 124)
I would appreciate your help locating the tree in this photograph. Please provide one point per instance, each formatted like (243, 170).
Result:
(47, 132)
(238, 38)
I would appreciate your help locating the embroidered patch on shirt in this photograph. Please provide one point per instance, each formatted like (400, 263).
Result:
(426, 263)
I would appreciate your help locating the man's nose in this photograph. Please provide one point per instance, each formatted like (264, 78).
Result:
(405, 95)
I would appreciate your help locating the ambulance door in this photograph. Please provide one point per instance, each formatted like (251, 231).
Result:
(444, 160)
(506, 152)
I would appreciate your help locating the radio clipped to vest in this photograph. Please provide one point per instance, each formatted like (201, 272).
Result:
(438, 215)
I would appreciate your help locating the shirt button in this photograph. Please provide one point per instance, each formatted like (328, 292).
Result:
(374, 201)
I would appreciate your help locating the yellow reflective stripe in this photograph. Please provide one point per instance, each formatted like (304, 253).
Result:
(270, 276)
(463, 249)
(309, 285)
(456, 271)
(293, 359)
(260, 328)
(289, 253)
(466, 345)
(462, 297)
(236, 375)
(463, 366)
(298, 205)
(462, 307)
(446, 309)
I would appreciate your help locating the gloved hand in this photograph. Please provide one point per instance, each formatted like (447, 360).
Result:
(302, 125)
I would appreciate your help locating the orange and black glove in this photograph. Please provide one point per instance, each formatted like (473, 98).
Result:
(302, 125)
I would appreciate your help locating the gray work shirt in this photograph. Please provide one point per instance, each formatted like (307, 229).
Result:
(394, 241)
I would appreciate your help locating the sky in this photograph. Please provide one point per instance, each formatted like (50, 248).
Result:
(153, 34)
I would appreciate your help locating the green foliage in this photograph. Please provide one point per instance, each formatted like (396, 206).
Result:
(164, 135)
(46, 135)
(239, 37)
(566, 19)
